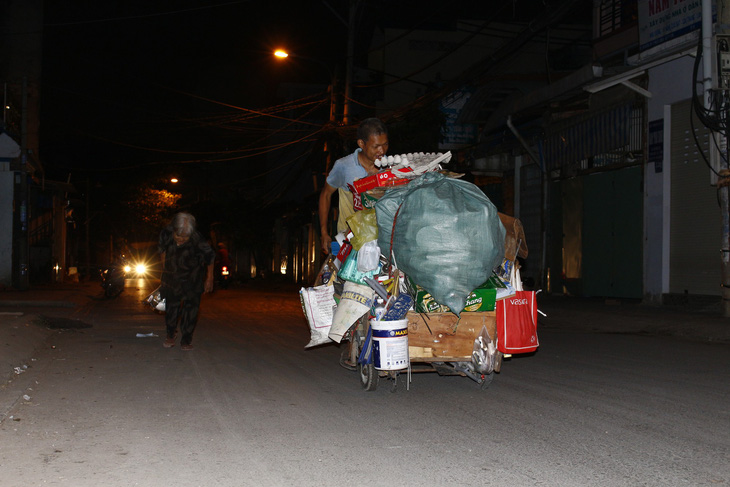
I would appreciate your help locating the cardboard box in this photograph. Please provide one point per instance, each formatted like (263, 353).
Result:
(381, 179)
(371, 196)
(482, 298)
(514, 239)
(443, 336)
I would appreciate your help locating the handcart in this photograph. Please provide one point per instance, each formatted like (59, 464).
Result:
(464, 343)
(437, 342)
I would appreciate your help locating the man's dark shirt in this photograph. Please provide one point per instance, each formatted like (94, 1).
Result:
(186, 265)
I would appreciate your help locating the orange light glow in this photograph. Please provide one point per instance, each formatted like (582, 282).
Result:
(281, 54)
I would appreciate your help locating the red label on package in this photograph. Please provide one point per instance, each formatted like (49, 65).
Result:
(356, 198)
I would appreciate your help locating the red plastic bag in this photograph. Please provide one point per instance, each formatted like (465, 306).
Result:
(517, 323)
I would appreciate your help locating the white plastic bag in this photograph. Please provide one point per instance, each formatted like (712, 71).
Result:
(484, 353)
(155, 300)
(368, 256)
(318, 304)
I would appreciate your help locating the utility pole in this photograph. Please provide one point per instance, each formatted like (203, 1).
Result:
(88, 230)
(21, 239)
(718, 149)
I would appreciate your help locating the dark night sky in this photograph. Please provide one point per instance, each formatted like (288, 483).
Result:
(142, 84)
(123, 82)
(135, 91)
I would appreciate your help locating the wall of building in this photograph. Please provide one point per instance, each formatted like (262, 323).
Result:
(6, 223)
(429, 58)
(669, 83)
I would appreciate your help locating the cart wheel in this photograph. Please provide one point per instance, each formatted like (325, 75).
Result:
(348, 355)
(345, 358)
(113, 291)
(498, 361)
(487, 381)
(368, 373)
(368, 376)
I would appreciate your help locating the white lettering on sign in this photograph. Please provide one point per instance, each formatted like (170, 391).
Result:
(518, 302)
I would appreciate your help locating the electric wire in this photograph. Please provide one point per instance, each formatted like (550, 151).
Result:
(440, 58)
(144, 16)
(711, 118)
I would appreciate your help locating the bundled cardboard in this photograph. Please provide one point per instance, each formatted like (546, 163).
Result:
(515, 244)
(442, 336)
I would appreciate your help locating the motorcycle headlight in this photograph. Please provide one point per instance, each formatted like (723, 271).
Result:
(140, 269)
(127, 268)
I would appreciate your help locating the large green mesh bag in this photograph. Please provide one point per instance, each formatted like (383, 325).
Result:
(447, 235)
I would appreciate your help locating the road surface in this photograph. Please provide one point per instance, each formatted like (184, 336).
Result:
(251, 407)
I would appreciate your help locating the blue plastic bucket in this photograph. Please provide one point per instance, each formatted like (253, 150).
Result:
(390, 344)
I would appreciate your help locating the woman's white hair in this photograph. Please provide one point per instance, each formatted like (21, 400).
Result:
(183, 224)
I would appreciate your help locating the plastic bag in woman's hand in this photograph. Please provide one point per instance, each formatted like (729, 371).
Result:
(155, 300)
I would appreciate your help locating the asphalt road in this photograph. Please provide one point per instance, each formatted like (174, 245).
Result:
(251, 407)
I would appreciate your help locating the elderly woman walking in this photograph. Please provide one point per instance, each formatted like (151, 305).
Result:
(187, 271)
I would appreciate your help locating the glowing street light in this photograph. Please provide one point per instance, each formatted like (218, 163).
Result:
(174, 180)
(281, 54)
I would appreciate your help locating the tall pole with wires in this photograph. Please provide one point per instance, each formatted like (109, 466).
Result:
(723, 180)
(713, 113)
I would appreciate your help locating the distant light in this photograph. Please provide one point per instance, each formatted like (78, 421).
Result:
(281, 54)
(174, 180)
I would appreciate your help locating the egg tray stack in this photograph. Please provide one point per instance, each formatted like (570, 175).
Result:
(400, 169)
(413, 164)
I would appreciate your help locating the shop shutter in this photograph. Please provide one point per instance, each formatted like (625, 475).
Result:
(695, 226)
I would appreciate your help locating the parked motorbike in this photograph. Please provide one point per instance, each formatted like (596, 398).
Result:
(222, 266)
(222, 275)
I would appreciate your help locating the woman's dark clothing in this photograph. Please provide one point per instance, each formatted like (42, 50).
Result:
(182, 281)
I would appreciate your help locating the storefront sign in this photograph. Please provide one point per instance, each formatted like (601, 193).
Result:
(455, 135)
(663, 20)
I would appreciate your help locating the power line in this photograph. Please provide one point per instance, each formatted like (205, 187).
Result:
(144, 16)
(442, 56)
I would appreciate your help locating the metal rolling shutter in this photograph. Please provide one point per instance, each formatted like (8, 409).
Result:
(695, 227)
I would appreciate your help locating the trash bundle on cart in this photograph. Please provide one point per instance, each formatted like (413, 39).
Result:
(427, 279)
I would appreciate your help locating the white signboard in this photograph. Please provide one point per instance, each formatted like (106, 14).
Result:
(663, 20)
(455, 135)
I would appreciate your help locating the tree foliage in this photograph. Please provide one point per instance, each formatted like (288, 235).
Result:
(152, 207)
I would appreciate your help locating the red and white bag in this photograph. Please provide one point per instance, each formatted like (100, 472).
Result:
(517, 320)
